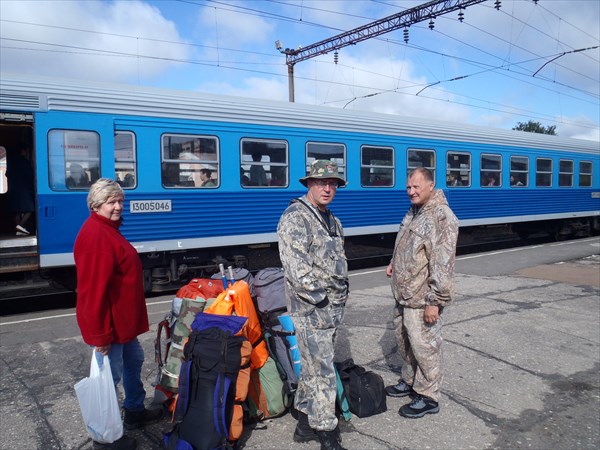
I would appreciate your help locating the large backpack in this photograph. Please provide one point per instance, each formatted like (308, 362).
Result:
(237, 299)
(215, 352)
(269, 285)
(172, 332)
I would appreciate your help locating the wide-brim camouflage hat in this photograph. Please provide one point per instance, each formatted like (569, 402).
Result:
(323, 168)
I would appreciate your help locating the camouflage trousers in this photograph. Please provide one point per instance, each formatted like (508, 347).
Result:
(420, 346)
(317, 389)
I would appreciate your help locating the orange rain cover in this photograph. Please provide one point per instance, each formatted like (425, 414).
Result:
(237, 299)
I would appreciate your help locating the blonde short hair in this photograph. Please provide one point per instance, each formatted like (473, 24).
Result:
(103, 190)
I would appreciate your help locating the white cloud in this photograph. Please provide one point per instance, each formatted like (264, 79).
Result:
(228, 28)
(371, 82)
(227, 48)
(254, 87)
(579, 127)
(91, 39)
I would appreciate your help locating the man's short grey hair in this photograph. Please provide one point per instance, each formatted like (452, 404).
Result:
(427, 174)
(101, 191)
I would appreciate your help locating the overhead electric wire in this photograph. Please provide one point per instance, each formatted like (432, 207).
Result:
(256, 12)
(444, 17)
(262, 13)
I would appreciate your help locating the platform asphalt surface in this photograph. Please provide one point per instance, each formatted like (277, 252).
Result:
(521, 354)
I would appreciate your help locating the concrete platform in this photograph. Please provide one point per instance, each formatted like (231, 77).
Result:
(521, 352)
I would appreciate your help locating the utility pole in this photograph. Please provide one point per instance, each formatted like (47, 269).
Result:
(404, 20)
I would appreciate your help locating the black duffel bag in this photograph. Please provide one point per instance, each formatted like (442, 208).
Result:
(363, 389)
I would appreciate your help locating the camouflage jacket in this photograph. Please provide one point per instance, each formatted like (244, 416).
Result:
(312, 256)
(424, 255)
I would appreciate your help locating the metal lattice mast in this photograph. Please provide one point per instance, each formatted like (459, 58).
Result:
(404, 19)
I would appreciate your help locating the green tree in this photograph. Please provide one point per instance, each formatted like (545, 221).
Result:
(535, 127)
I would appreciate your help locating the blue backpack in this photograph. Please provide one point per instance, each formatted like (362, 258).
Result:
(207, 381)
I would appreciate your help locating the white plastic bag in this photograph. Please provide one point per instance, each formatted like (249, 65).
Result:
(98, 402)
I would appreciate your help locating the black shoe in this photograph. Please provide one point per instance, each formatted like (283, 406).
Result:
(330, 440)
(303, 431)
(399, 390)
(137, 419)
(124, 443)
(419, 407)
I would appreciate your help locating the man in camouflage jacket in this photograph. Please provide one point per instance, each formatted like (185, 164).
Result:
(422, 272)
(311, 247)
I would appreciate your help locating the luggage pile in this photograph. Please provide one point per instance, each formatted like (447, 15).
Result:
(223, 361)
(227, 355)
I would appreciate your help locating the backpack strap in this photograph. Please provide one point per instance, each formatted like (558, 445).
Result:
(342, 397)
(258, 341)
(332, 220)
(222, 390)
(185, 375)
(158, 357)
(220, 414)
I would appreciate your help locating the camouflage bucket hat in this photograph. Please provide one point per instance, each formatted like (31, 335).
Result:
(323, 168)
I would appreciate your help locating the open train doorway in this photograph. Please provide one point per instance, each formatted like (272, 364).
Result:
(17, 179)
(19, 255)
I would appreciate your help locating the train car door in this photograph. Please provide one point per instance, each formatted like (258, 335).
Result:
(18, 220)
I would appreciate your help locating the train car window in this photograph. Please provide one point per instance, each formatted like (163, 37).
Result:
(458, 169)
(376, 166)
(543, 172)
(264, 163)
(125, 159)
(585, 173)
(420, 158)
(74, 158)
(189, 161)
(326, 150)
(519, 171)
(490, 174)
(565, 173)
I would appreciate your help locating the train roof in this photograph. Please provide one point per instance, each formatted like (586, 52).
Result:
(21, 93)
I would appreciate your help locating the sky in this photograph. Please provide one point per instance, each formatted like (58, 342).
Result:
(525, 61)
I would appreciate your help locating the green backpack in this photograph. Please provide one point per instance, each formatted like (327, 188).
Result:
(267, 394)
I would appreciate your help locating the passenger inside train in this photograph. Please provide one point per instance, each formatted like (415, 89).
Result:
(21, 197)
(77, 178)
(258, 176)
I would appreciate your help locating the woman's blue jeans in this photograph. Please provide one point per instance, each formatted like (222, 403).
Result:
(126, 362)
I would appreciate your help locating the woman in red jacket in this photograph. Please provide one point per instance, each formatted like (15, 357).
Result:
(111, 307)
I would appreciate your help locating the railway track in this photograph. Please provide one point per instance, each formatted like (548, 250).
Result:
(359, 257)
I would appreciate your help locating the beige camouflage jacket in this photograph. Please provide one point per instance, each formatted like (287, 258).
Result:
(424, 255)
(312, 256)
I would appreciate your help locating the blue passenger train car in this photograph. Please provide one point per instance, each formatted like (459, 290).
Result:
(207, 177)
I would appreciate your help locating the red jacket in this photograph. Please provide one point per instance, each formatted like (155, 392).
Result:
(111, 307)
